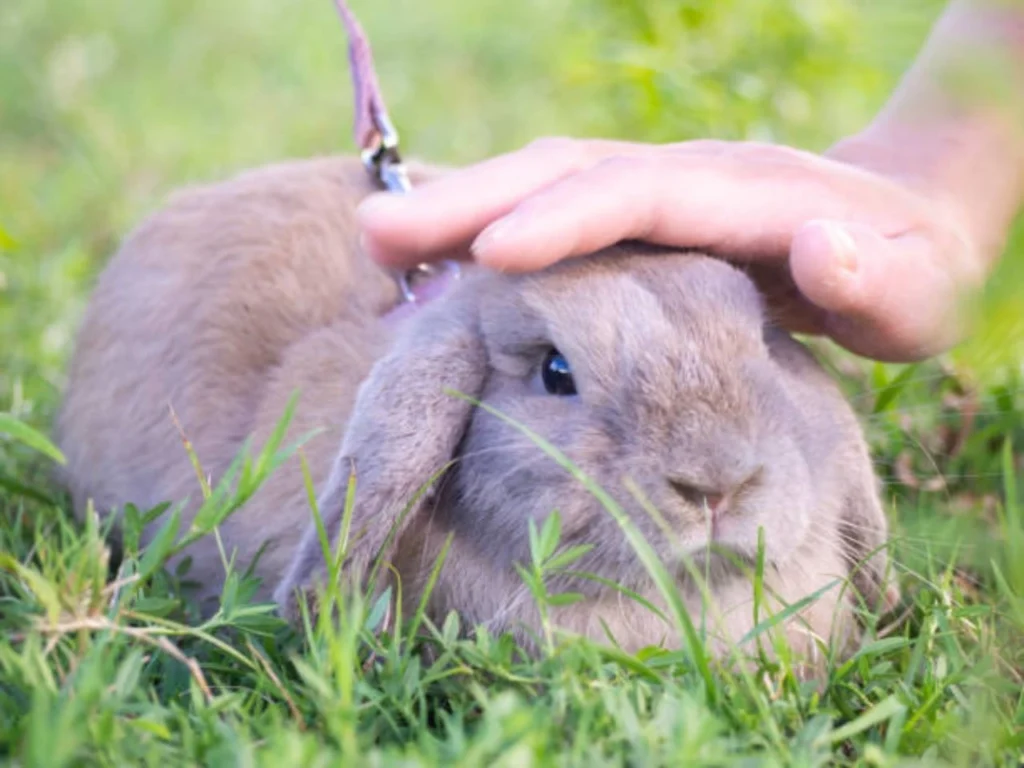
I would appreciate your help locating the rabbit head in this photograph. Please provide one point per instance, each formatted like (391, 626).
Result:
(657, 376)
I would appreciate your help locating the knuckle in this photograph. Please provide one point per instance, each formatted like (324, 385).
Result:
(767, 154)
(703, 146)
(616, 165)
(554, 146)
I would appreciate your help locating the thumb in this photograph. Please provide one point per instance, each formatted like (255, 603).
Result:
(894, 299)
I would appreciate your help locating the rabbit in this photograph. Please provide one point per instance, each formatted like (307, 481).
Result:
(656, 372)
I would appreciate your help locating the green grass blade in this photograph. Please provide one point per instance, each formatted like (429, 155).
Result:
(26, 435)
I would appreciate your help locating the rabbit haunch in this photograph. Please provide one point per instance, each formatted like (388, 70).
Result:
(238, 294)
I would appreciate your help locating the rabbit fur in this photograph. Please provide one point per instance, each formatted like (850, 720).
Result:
(238, 294)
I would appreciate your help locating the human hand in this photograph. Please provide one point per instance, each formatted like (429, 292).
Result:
(876, 261)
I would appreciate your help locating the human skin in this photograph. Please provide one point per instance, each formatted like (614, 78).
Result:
(874, 243)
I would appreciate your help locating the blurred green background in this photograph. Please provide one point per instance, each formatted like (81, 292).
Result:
(105, 105)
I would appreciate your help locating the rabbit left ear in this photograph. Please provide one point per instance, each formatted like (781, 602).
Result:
(405, 428)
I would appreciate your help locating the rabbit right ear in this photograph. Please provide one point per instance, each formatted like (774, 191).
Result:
(404, 429)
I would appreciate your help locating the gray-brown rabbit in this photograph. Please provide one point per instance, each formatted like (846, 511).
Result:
(656, 373)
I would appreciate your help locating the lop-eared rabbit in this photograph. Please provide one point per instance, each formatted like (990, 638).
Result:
(656, 373)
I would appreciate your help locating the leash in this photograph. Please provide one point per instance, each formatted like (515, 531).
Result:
(377, 139)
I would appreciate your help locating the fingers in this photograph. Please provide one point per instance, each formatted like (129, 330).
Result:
(741, 200)
(615, 200)
(448, 213)
(888, 298)
(739, 205)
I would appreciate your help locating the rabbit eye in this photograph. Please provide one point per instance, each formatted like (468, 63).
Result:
(556, 374)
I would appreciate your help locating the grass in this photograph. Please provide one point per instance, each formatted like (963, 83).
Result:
(108, 105)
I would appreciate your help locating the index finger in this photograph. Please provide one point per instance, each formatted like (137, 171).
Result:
(447, 213)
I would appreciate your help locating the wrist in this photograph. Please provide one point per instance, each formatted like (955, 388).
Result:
(952, 131)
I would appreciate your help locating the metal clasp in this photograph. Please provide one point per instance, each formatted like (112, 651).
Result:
(381, 158)
(384, 163)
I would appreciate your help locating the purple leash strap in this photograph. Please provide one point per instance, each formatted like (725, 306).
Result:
(369, 103)
(377, 138)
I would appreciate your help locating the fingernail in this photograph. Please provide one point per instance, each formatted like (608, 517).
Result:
(844, 249)
(492, 236)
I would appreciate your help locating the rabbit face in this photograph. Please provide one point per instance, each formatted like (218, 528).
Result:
(656, 376)
(657, 383)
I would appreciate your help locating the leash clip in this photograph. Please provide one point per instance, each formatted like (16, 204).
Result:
(381, 156)
(385, 164)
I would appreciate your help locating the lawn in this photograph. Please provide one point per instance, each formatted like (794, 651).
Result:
(107, 105)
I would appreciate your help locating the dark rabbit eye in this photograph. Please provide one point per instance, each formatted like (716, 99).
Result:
(556, 374)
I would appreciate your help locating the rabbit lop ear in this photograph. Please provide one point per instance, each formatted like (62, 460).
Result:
(404, 429)
(865, 532)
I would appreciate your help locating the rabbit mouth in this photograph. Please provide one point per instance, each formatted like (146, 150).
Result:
(715, 563)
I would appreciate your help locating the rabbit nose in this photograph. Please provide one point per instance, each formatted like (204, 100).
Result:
(718, 499)
(717, 502)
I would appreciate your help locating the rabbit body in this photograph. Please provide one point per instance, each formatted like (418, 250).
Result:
(702, 422)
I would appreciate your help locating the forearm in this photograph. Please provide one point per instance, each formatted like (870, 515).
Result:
(954, 128)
